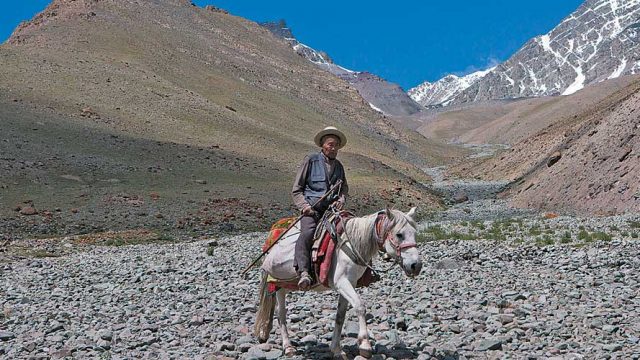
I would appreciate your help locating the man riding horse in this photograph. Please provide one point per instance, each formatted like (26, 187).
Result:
(316, 175)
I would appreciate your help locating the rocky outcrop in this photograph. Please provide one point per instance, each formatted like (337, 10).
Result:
(597, 172)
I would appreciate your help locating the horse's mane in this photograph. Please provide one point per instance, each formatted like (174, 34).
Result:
(361, 232)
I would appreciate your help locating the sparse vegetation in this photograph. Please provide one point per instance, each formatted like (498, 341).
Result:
(455, 235)
(41, 253)
(534, 230)
(495, 232)
(600, 235)
(545, 240)
(123, 241)
(437, 232)
(585, 236)
(566, 237)
(517, 231)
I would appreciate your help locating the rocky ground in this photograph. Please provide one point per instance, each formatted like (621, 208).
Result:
(497, 282)
(540, 286)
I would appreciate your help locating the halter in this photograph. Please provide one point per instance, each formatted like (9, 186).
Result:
(383, 234)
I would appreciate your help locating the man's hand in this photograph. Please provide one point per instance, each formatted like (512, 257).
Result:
(339, 204)
(308, 211)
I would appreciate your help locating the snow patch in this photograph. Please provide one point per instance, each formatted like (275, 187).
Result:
(376, 108)
(619, 70)
(509, 79)
(545, 41)
(578, 84)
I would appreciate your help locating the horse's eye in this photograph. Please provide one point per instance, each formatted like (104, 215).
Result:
(399, 236)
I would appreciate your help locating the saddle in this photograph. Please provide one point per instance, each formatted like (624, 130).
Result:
(326, 240)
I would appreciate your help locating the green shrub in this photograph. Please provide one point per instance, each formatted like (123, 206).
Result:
(600, 235)
(461, 236)
(534, 230)
(434, 232)
(545, 240)
(585, 236)
(478, 224)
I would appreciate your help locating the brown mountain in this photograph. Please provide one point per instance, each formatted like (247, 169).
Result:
(578, 153)
(206, 111)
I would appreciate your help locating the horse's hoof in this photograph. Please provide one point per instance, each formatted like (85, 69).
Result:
(366, 352)
(289, 351)
(340, 356)
(262, 340)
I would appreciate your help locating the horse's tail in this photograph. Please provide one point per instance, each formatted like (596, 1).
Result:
(264, 316)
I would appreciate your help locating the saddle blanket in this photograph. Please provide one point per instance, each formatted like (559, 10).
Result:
(279, 262)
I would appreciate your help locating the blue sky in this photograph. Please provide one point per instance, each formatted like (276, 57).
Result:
(406, 42)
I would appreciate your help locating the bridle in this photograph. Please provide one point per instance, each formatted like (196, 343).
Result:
(383, 233)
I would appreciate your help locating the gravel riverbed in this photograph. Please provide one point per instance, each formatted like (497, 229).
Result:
(473, 299)
(497, 283)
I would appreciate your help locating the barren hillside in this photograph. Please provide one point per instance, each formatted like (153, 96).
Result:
(508, 122)
(194, 79)
(587, 163)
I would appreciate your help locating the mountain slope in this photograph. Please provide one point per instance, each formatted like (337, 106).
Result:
(510, 121)
(443, 91)
(167, 72)
(587, 162)
(382, 95)
(597, 42)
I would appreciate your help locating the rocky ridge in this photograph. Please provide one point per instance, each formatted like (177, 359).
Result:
(443, 91)
(599, 41)
(383, 96)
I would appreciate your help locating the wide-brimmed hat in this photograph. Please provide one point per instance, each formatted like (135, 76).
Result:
(330, 130)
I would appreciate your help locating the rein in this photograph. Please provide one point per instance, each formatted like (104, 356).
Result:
(382, 233)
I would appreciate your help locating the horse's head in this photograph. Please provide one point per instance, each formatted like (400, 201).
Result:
(400, 240)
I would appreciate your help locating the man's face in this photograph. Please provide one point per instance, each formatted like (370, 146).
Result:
(330, 145)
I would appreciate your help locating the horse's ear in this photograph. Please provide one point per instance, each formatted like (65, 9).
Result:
(411, 214)
(388, 213)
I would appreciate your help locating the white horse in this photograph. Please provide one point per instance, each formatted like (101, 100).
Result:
(390, 231)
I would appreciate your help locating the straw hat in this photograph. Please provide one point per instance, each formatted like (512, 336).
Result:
(330, 130)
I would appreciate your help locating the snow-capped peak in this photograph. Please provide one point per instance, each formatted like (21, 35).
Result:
(443, 90)
(598, 41)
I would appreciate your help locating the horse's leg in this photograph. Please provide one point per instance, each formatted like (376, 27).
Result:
(344, 288)
(281, 296)
(337, 330)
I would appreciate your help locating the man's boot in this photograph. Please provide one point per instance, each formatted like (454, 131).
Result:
(305, 281)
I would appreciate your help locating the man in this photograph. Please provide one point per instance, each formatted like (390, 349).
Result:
(316, 175)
